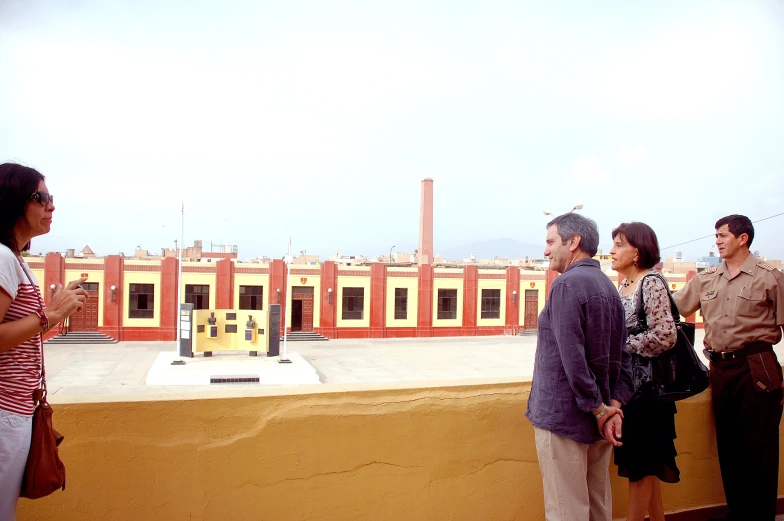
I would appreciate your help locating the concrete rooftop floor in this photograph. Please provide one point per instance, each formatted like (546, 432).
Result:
(123, 368)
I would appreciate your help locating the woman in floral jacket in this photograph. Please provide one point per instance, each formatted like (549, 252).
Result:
(647, 456)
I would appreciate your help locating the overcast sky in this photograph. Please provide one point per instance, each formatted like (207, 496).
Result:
(319, 119)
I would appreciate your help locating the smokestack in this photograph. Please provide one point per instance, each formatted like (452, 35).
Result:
(425, 253)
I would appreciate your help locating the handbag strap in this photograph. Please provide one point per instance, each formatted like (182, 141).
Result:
(640, 306)
(41, 333)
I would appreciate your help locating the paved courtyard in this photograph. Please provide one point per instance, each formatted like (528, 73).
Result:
(123, 368)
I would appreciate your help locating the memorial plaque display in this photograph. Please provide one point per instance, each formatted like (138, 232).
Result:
(186, 330)
(274, 330)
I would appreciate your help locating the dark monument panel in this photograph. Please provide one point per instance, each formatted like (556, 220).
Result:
(274, 327)
(186, 329)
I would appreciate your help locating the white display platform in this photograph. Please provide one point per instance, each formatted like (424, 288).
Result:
(227, 364)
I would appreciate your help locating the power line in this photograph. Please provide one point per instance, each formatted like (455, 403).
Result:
(771, 217)
(711, 235)
(687, 242)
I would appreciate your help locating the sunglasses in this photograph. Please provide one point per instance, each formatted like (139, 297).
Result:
(42, 198)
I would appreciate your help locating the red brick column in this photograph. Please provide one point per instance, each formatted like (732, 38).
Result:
(550, 276)
(470, 295)
(277, 281)
(425, 298)
(329, 305)
(113, 268)
(54, 273)
(513, 301)
(691, 318)
(169, 304)
(378, 299)
(224, 284)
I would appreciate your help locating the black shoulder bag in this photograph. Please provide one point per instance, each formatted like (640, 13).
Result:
(677, 373)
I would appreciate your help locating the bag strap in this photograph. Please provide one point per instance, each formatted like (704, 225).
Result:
(40, 335)
(640, 306)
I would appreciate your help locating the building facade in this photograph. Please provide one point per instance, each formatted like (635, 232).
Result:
(137, 299)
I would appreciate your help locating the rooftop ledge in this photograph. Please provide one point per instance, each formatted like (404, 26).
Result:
(247, 391)
(458, 450)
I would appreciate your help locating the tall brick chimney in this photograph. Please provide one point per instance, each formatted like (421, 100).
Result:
(425, 253)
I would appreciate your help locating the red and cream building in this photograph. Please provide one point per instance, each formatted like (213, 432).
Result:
(137, 300)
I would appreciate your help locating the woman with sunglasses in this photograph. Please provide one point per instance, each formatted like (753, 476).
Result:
(26, 209)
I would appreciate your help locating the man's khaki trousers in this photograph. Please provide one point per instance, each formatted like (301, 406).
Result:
(576, 478)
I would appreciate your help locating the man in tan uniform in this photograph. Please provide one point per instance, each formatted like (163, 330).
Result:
(742, 304)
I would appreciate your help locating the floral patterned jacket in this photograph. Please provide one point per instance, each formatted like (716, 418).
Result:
(661, 334)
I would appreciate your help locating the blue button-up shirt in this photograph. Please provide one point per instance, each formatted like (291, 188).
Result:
(581, 358)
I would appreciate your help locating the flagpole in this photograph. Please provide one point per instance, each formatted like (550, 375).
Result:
(284, 359)
(179, 274)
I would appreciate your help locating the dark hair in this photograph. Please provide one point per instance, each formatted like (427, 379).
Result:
(573, 224)
(642, 237)
(17, 184)
(738, 225)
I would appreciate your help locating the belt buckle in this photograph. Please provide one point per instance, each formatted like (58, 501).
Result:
(719, 355)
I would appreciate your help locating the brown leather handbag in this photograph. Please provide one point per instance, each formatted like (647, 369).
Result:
(44, 471)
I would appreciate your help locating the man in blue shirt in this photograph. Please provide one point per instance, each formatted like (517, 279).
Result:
(582, 376)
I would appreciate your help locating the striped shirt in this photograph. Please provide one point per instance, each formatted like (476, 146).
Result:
(20, 367)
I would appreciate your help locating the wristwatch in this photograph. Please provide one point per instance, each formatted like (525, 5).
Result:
(602, 412)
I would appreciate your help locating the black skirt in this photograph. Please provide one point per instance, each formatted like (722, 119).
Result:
(648, 442)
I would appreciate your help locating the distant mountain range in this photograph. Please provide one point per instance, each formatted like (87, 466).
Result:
(501, 248)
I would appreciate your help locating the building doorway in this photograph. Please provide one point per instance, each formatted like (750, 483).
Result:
(302, 309)
(87, 318)
(531, 308)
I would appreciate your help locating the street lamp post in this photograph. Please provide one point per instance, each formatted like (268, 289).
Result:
(178, 251)
(576, 207)
(285, 359)
(390, 254)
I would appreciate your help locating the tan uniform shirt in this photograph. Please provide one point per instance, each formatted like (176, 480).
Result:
(748, 307)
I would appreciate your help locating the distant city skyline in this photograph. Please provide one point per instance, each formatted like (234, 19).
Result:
(319, 120)
(485, 250)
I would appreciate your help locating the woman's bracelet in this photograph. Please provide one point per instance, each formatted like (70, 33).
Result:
(43, 319)
(602, 412)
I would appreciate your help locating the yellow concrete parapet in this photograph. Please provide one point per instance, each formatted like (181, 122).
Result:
(457, 451)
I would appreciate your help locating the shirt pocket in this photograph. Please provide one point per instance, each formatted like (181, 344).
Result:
(709, 304)
(751, 304)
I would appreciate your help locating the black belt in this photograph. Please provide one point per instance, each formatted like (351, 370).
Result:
(747, 350)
